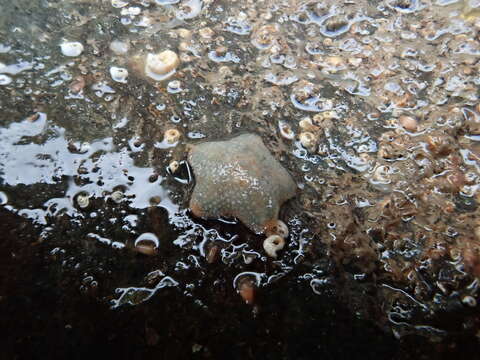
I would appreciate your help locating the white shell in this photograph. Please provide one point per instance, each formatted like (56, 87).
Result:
(161, 66)
(167, 2)
(134, 10)
(71, 48)
(272, 244)
(119, 74)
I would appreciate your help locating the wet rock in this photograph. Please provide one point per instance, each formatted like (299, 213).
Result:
(239, 178)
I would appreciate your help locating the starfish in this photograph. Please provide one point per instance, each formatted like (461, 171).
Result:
(239, 178)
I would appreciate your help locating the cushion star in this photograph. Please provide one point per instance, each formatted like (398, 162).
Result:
(239, 178)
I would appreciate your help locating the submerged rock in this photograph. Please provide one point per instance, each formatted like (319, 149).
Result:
(239, 178)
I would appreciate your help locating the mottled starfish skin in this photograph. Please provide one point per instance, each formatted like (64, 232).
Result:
(239, 178)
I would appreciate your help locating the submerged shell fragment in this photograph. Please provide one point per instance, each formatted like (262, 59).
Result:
(117, 196)
(174, 87)
(308, 140)
(286, 130)
(206, 33)
(173, 166)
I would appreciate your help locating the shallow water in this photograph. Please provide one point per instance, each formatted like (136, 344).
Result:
(383, 257)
